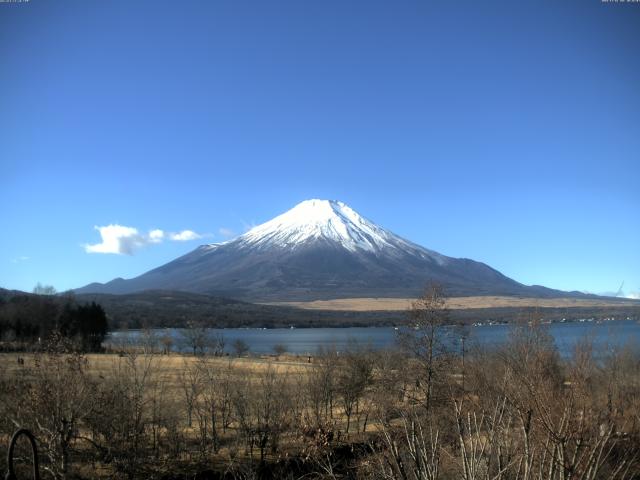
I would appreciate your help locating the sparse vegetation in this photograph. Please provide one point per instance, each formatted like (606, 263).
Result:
(279, 349)
(522, 413)
(240, 347)
(430, 410)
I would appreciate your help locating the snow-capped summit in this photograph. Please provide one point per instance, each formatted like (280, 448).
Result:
(317, 250)
(328, 220)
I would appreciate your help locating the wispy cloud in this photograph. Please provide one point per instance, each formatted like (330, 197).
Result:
(248, 225)
(122, 240)
(185, 236)
(226, 232)
(22, 258)
(621, 294)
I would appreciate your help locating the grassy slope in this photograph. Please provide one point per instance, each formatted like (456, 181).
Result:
(455, 303)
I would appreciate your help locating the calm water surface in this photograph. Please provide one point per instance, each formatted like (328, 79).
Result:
(309, 340)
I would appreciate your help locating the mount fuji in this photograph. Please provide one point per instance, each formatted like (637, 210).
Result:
(320, 249)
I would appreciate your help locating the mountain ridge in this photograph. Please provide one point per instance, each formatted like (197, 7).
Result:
(320, 249)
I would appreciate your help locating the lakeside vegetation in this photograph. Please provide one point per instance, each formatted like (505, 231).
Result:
(515, 411)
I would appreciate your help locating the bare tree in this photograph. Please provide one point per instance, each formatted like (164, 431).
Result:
(424, 338)
(262, 411)
(190, 384)
(279, 349)
(390, 385)
(40, 289)
(320, 386)
(167, 342)
(55, 397)
(241, 347)
(353, 377)
(195, 337)
(126, 401)
(216, 344)
(213, 402)
(411, 452)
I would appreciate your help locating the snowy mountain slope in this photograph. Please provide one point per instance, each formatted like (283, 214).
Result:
(331, 220)
(317, 250)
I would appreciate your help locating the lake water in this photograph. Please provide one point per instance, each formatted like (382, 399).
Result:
(309, 340)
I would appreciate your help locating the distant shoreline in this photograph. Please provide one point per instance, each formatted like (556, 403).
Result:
(489, 323)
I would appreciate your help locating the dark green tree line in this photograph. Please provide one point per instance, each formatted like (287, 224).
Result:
(27, 319)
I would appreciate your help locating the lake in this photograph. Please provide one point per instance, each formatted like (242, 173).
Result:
(309, 340)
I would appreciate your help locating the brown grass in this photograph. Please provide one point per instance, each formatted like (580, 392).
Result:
(170, 367)
(454, 303)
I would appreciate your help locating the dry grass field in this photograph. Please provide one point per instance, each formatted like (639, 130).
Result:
(348, 415)
(455, 303)
(170, 367)
(167, 380)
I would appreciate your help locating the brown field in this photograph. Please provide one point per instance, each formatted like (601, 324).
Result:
(165, 378)
(149, 415)
(454, 303)
(169, 367)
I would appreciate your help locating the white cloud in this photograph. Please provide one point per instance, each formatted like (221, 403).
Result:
(117, 239)
(226, 232)
(156, 236)
(122, 240)
(634, 295)
(184, 236)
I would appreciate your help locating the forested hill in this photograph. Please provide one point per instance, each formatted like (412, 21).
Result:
(178, 309)
(27, 318)
(157, 308)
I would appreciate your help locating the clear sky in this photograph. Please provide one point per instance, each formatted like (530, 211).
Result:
(503, 131)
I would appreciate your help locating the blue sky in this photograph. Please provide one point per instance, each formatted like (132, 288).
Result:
(506, 132)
